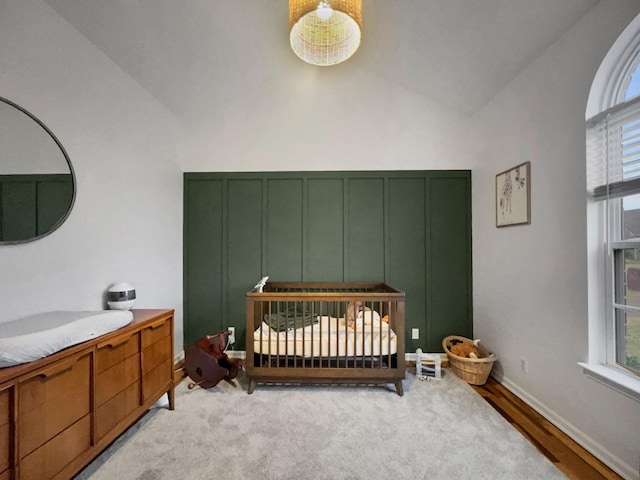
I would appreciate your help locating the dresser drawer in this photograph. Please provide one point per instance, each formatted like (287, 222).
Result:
(155, 354)
(111, 382)
(57, 453)
(5, 430)
(116, 350)
(157, 379)
(117, 409)
(53, 399)
(156, 331)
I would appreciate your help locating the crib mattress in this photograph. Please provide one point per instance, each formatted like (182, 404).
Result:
(37, 336)
(327, 338)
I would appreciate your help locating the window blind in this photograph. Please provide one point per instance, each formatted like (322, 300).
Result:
(613, 151)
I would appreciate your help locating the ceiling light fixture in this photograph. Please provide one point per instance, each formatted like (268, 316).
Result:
(327, 32)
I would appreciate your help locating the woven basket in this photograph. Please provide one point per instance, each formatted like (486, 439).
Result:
(472, 370)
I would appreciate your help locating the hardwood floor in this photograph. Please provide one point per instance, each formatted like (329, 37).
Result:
(573, 460)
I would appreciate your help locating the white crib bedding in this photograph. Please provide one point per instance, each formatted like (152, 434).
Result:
(37, 336)
(329, 337)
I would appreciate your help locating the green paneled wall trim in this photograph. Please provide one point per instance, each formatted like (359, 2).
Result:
(409, 229)
(32, 204)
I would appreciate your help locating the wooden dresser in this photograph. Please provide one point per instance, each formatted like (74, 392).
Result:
(58, 413)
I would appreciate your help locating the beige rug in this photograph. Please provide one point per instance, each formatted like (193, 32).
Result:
(438, 430)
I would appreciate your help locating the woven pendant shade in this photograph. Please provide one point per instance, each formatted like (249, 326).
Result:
(327, 41)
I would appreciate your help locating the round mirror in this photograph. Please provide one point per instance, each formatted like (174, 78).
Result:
(37, 183)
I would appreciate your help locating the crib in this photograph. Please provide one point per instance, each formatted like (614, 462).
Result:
(325, 333)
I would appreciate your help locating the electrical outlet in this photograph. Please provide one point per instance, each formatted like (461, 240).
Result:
(232, 335)
(415, 334)
(524, 365)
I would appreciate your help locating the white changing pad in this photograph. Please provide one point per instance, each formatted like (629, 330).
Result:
(37, 336)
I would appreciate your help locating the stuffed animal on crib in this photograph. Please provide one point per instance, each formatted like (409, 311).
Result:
(465, 350)
(354, 314)
(358, 315)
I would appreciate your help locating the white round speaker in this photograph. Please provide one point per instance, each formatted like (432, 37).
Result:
(121, 296)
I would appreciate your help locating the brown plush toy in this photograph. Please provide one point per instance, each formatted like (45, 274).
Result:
(464, 350)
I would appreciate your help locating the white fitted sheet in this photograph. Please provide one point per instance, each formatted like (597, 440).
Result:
(327, 338)
(37, 336)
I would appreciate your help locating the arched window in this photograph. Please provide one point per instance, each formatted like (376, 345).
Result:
(613, 182)
(633, 87)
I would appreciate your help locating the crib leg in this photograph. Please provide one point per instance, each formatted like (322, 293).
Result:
(399, 389)
(252, 386)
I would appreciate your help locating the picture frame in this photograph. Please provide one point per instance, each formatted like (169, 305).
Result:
(513, 196)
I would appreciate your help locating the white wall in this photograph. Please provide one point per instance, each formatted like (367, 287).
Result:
(27, 148)
(323, 119)
(126, 224)
(530, 282)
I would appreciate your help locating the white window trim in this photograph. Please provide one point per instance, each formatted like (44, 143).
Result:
(607, 90)
(610, 83)
(617, 379)
(600, 365)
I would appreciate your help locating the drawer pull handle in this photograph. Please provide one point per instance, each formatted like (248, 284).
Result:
(57, 369)
(157, 325)
(117, 344)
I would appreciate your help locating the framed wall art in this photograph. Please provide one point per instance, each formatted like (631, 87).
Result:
(513, 196)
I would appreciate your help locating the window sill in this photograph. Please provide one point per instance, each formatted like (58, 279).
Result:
(622, 382)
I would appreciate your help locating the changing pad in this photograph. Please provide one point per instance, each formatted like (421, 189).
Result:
(37, 336)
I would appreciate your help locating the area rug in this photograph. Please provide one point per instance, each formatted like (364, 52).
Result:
(440, 429)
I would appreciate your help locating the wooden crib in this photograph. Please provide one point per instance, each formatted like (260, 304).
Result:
(336, 333)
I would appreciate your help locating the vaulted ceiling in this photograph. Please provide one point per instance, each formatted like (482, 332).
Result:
(190, 54)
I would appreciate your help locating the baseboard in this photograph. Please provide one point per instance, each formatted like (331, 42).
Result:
(597, 450)
(411, 357)
(241, 354)
(178, 356)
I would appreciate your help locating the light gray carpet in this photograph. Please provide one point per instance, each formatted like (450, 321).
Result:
(438, 430)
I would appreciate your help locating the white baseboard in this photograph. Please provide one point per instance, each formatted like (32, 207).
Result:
(241, 354)
(178, 356)
(411, 357)
(597, 450)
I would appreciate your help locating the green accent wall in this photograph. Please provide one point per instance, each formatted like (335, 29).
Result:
(409, 229)
(31, 205)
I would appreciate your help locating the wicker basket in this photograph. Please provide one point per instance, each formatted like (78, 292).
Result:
(472, 370)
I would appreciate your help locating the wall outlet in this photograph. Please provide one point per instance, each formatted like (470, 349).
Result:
(524, 365)
(415, 334)
(232, 335)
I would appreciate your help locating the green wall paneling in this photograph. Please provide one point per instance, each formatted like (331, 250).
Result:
(407, 251)
(284, 227)
(54, 198)
(203, 247)
(30, 205)
(324, 246)
(243, 226)
(365, 249)
(410, 229)
(449, 284)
